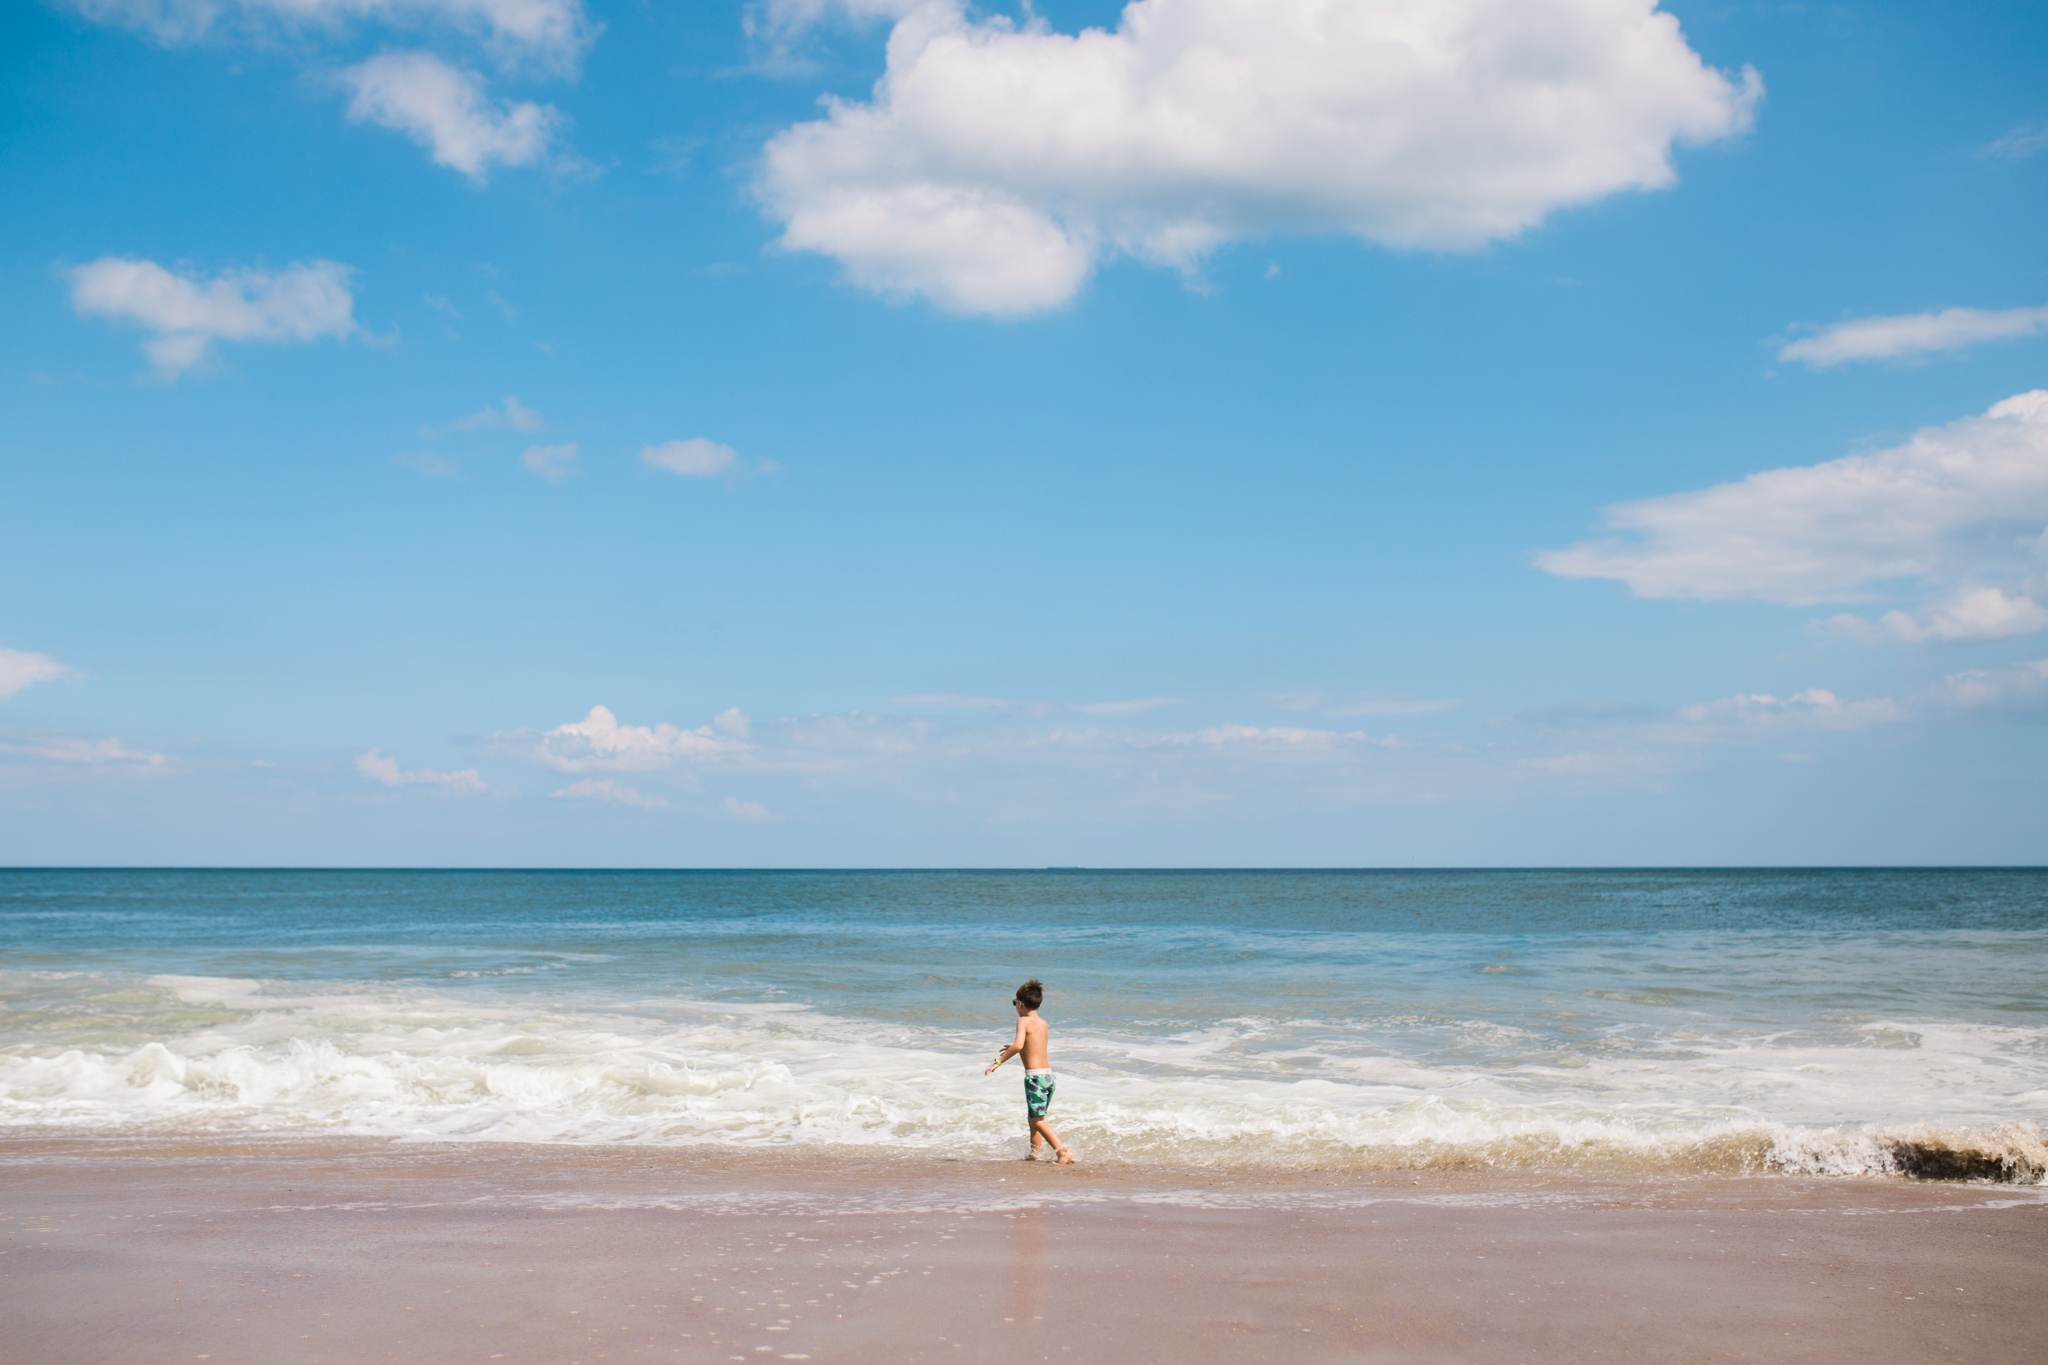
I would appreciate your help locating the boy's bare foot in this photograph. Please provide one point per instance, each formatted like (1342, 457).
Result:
(1066, 1157)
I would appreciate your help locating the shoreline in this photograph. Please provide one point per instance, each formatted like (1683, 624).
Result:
(232, 1249)
(2012, 1155)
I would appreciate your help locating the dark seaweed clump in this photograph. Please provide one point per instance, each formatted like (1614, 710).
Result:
(2013, 1155)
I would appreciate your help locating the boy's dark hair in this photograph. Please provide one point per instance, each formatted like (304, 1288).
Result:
(1031, 994)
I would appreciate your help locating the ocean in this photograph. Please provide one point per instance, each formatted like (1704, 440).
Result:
(1827, 1022)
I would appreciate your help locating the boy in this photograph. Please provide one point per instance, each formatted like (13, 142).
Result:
(1033, 1037)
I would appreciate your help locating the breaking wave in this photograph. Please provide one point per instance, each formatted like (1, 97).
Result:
(1918, 1099)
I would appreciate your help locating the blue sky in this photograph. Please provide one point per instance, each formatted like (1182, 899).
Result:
(1216, 434)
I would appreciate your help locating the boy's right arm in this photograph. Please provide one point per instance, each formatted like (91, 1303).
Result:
(1016, 1046)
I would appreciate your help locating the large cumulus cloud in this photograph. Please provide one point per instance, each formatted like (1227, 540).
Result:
(995, 165)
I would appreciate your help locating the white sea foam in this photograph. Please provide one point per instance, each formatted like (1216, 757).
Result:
(208, 1054)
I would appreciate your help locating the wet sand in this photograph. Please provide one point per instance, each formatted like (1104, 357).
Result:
(339, 1251)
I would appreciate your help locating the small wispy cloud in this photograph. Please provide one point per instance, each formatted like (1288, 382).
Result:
(1813, 708)
(1375, 703)
(2019, 144)
(511, 413)
(607, 789)
(375, 767)
(1608, 765)
(747, 810)
(673, 152)
(1912, 334)
(2020, 687)
(1136, 706)
(599, 743)
(960, 700)
(695, 458)
(70, 749)
(1027, 706)
(1395, 706)
(446, 110)
(432, 466)
(442, 106)
(1977, 613)
(189, 313)
(1275, 737)
(1612, 741)
(20, 670)
(549, 34)
(553, 463)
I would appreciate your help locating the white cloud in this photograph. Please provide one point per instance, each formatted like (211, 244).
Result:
(784, 19)
(1378, 703)
(1133, 707)
(606, 789)
(1954, 508)
(66, 749)
(432, 466)
(996, 165)
(553, 463)
(1814, 708)
(965, 702)
(747, 810)
(20, 669)
(1026, 707)
(1002, 761)
(1912, 334)
(850, 739)
(2021, 143)
(302, 302)
(2013, 687)
(1610, 742)
(695, 457)
(599, 743)
(1636, 736)
(377, 768)
(439, 105)
(513, 414)
(1599, 764)
(1396, 706)
(1973, 614)
(552, 33)
(1276, 737)
(445, 109)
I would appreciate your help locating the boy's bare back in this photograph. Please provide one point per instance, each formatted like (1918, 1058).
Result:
(1034, 1038)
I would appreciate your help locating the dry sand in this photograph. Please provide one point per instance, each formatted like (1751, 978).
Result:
(343, 1251)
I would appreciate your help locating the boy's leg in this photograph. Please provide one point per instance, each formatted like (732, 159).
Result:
(1037, 1097)
(1041, 1127)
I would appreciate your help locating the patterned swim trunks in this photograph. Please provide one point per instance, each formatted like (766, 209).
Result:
(1037, 1093)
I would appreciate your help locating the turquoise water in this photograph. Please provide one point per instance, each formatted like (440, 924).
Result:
(1711, 1020)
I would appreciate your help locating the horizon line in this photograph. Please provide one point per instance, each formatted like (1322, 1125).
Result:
(1048, 868)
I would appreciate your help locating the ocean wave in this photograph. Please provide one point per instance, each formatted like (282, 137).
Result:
(225, 1055)
(2012, 1153)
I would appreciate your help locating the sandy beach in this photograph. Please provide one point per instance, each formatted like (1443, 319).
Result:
(228, 1252)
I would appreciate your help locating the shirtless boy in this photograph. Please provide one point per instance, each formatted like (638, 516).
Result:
(1033, 1037)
